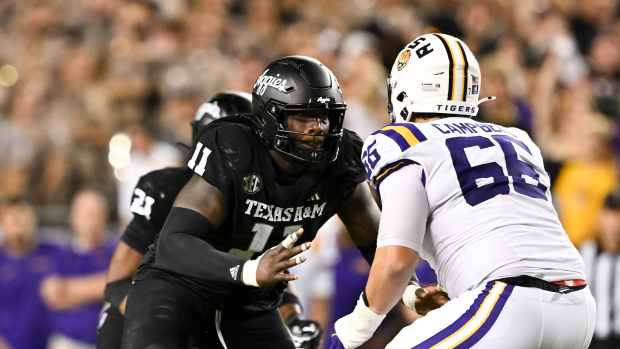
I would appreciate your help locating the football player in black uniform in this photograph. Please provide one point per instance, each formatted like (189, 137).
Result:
(151, 202)
(257, 179)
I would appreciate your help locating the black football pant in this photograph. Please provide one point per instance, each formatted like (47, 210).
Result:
(110, 328)
(163, 314)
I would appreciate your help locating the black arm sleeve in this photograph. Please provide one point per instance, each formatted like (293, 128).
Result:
(182, 250)
(116, 291)
(289, 297)
(139, 234)
(368, 252)
(151, 201)
(358, 175)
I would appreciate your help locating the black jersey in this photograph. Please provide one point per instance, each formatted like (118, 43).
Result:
(262, 204)
(152, 199)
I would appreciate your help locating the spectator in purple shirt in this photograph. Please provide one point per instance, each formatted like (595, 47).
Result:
(23, 264)
(75, 292)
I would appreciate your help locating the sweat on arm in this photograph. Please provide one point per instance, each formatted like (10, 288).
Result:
(360, 215)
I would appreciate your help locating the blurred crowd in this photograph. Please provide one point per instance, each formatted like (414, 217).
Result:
(76, 75)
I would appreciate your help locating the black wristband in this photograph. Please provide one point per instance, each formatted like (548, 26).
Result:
(184, 249)
(365, 298)
(116, 291)
(290, 298)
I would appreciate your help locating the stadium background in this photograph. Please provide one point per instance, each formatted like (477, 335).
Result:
(95, 93)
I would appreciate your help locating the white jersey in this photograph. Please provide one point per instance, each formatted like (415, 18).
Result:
(490, 213)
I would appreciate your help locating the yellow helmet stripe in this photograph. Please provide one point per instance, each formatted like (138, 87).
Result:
(452, 72)
(465, 69)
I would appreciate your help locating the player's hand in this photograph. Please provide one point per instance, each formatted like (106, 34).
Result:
(272, 266)
(306, 333)
(53, 290)
(424, 299)
(356, 328)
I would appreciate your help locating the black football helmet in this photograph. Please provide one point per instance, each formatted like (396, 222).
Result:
(221, 105)
(298, 85)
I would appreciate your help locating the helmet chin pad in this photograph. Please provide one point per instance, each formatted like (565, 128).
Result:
(294, 149)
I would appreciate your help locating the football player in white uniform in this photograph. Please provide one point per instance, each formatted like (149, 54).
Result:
(473, 199)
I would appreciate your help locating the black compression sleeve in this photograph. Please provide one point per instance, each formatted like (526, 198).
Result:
(139, 234)
(368, 252)
(182, 250)
(289, 297)
(116, 291)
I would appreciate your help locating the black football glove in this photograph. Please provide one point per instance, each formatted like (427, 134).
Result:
(306, 333)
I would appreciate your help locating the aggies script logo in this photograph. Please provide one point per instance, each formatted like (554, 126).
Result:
(265, 81)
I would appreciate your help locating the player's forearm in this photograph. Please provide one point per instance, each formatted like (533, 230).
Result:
(389, 275)
(360, 215)
(123, 265)
(124, 262)
(290, 307)
(180, 250)
(85, 289)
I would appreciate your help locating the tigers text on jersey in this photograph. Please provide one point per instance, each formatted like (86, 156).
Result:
(490, 210)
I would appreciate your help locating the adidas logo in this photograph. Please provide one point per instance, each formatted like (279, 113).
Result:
(315, 197)
(234, 271)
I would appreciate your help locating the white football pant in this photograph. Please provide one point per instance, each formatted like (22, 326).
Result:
(502, 316)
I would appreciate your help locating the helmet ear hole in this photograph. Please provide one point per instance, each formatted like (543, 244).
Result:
(404, 113)
(272, 108)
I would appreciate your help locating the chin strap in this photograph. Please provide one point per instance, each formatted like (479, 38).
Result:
(486, 99)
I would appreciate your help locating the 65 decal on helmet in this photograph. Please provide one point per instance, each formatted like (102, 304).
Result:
(298, 85)
(435, 74)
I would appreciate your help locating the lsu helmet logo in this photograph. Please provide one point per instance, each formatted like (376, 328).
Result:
(403, 59)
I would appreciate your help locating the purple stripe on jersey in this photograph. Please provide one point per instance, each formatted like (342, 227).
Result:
(456, 325)
(416, 131)
(497, 309)
(388, 170)
(396, 137)
(425, 274)
(423, 178)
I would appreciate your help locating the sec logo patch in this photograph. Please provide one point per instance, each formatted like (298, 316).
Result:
(251, 184)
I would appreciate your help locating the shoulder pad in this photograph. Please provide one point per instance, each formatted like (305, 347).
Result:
(231, 128)
(351, 143)
(157, 186)
(519, 133)
(223, 148)
(348, 168)
(384, 150)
